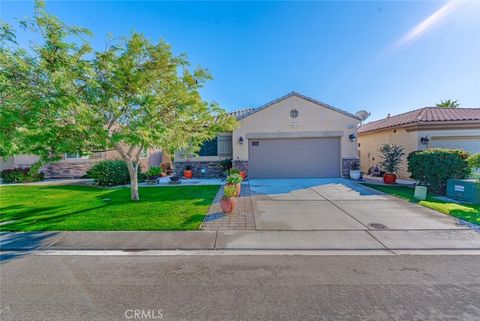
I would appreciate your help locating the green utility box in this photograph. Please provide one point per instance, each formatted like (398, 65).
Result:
(467, 190)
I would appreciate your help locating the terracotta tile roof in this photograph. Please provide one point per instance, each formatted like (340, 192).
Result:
(423, 115)
(242, 113)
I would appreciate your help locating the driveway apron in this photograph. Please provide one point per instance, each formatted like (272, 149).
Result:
(337, 204)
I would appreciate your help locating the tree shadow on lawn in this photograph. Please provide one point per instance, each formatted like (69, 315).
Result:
(23, 217)
(121, 195)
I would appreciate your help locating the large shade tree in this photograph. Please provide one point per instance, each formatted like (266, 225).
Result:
(60, 96)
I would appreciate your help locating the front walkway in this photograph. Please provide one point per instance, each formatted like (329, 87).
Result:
(241, 219)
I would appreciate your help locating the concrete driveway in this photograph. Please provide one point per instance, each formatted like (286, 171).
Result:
(337, 204)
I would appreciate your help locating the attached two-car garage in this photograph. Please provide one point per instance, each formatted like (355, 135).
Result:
(294, 157)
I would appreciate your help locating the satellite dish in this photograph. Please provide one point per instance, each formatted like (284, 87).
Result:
(363, 114)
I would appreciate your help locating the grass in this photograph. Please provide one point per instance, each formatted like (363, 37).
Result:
(86, 208)
(465, 211)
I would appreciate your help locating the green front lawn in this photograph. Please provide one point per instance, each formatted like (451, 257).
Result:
(85, 208)
(464, 211)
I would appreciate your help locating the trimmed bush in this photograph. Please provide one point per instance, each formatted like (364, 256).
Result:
(433, 167)
(22, 175)
(153, 172)
(109, 173)
(474, 163)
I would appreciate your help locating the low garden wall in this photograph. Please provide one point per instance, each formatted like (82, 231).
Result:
(206, 169)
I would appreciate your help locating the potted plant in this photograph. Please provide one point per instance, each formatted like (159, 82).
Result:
(228, 202)
(232, 171)
(355, 170)
(243, 174)
(392, 157)
(235, 180)
(153, 174)
(187, 172)
(237, 171)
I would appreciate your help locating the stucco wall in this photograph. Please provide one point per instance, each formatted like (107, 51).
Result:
(468, 139)
(371, 142)
(312, 118)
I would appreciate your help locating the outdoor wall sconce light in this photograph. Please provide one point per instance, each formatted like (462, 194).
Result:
(240, 140)
(424, 140)
(352, 137)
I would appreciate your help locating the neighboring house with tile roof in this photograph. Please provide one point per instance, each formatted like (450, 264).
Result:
(429, 127)
(291, 136)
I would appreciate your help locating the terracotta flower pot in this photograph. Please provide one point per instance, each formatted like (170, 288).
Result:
(228, 205)
(243, 175)
(238, 186)
(389, 178)
(188, 173)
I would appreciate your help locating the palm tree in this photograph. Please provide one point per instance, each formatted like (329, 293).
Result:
(448, 104)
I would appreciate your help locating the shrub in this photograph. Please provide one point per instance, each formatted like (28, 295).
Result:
(22, 175)
(111, 173)
(153, 172)
(233, 171)
(474, 164)
(234, 179)
(433, 167)
(392, 157)
(226, 164)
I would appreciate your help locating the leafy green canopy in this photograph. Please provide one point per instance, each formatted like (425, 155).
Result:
(60, 96)
(39, 88)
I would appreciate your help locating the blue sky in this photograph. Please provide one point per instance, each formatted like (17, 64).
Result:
(385, 57)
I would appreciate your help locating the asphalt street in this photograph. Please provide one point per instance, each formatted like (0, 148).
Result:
(240, 288)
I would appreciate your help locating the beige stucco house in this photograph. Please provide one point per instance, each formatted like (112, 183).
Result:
(292, 136)
(429, 127)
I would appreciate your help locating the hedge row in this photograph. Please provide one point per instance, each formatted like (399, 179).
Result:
(433, 167)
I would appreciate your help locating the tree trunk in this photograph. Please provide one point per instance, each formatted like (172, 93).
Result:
(133, 169)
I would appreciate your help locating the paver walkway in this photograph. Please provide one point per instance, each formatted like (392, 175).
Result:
(241, 219)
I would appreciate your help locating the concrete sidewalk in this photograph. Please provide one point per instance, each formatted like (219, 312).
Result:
(245, 240)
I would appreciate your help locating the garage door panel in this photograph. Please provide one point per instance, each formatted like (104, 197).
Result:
(470, 144)
(299, 157)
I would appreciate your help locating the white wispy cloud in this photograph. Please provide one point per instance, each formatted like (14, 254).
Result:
(422, 28)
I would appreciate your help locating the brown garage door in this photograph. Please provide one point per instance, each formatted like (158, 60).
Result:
(294, 157)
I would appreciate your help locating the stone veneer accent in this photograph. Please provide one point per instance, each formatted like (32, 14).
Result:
(347, 165)
(241, 165)
(77, 169)
(213, 169)
(66, 170)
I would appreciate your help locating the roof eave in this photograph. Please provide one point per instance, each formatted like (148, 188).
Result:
(293, 93)
(415, 126)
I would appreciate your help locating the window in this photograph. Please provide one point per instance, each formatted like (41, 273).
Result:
(77, 155)
(209, 148)
(220, 146)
